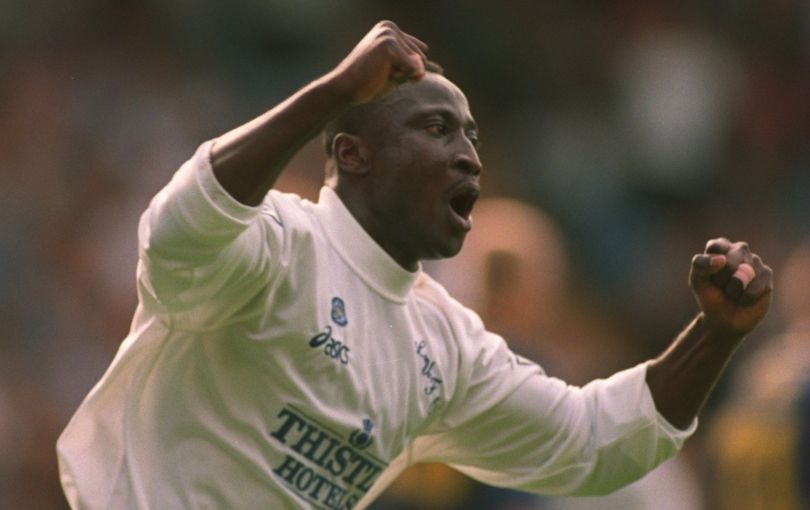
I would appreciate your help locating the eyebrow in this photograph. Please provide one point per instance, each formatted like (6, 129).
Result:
(446, 113)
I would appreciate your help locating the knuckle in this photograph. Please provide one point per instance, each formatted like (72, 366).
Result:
(741, 246)
(389, 42)
(717, 245)
(386, 38)
(390, 32)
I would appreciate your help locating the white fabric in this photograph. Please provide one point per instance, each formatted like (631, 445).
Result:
(279, 358)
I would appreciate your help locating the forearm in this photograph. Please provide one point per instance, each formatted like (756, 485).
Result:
(248, 160)
(682, 378)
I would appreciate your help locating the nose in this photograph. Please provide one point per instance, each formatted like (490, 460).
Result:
(467, 160)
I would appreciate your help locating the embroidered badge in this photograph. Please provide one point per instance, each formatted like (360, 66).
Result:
(361, 438)
(429, 371)
(339, 312)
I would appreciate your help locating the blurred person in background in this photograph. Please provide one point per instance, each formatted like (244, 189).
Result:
(514, 271)
(759, 439)
(803, 449)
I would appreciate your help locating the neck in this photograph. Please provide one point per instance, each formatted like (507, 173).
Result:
(383, 232)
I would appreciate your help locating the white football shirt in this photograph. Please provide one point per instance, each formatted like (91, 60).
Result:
(279, 358)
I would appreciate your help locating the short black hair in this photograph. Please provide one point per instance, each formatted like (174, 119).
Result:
(354, 118)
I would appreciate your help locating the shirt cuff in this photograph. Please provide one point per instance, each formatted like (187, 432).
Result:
(678, 435)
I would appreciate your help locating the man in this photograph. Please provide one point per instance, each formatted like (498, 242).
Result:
(286, 354)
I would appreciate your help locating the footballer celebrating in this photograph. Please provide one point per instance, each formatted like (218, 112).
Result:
(290, 354)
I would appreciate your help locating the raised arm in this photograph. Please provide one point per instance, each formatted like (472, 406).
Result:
(248, 160)
(733, 289)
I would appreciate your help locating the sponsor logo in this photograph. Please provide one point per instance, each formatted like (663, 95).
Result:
(328, 470)
(339, 312)
(332, 348)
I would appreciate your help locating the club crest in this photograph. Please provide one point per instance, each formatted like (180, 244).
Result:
(339, 312)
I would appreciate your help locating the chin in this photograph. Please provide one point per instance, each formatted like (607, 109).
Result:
(446, 250)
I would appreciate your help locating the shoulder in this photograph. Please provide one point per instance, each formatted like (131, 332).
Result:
(465, 330)
(432, 296)
(287, 226)
(485, 369)
(288, 214)
(281, 205)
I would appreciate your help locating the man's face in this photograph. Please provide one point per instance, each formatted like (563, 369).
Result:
(424, 170)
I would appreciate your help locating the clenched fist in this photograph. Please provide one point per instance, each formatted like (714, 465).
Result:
(385, 58)
(732, 285)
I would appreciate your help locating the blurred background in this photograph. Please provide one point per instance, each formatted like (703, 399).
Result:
(617, 138)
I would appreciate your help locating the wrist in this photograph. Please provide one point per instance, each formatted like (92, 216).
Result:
(335, 86)
(718, 332)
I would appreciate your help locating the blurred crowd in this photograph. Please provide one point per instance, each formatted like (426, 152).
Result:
(617, 138)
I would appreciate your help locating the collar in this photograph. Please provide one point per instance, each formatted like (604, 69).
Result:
(366, 258)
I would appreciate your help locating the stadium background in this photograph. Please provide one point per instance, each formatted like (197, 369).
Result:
(630, 131)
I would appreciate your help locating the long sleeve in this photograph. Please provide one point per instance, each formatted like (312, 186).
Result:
(516, 427)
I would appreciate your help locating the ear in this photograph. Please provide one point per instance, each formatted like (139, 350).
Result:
(350, 153)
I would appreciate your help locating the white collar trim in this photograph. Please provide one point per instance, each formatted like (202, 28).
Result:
(366, 258)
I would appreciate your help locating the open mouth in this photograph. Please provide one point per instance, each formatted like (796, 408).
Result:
(463, 199)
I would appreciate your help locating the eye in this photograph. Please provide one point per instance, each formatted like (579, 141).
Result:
(472, 136)
(437, 129)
